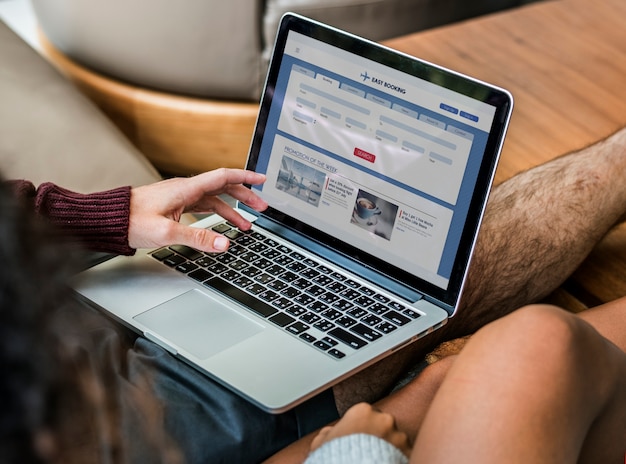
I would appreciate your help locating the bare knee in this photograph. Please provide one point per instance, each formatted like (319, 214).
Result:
(536, 333)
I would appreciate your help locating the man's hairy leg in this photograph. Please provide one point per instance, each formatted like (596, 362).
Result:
(538, 227)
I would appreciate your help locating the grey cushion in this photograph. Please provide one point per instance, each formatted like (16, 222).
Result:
(195, 47)
(51, 132)
(218, 48)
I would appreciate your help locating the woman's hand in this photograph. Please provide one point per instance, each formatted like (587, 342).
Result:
(363, 418)
(155, 209)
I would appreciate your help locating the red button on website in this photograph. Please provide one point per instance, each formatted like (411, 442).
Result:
(364, 155)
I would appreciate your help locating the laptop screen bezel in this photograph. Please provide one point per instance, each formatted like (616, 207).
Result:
(497, 97)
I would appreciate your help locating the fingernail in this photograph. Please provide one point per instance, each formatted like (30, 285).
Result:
(220, 243)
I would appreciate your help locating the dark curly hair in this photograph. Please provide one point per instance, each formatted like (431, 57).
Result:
(54, 408)
(32, 279)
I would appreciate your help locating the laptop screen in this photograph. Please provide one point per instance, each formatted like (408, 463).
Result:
(383, 157)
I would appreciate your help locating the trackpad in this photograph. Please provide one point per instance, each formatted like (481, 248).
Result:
(198, 323)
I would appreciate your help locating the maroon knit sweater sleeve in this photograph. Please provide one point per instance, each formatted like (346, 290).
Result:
(98, 221)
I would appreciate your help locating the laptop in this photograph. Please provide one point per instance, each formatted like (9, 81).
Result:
(378, 167)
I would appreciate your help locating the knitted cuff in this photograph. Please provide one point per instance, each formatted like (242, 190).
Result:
(99, 221)
(358, 448)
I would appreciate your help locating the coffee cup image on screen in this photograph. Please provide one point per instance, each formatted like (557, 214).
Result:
(374, 214)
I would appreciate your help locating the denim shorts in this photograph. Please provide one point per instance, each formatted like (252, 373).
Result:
(207, 422)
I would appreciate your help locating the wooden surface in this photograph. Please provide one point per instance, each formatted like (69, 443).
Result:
(565, 63)
(563, 60)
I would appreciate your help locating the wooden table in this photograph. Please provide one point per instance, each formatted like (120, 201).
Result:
(565, 63)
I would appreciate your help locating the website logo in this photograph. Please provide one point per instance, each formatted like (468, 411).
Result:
(375, 80)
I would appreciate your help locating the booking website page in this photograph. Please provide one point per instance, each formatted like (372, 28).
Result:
(378, 158)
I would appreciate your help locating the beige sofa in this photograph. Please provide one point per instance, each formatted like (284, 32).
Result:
(51, 132)
(219, 48)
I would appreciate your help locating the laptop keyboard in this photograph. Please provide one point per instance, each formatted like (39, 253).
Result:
(320, 306)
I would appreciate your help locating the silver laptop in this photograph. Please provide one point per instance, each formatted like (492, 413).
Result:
(378, 170)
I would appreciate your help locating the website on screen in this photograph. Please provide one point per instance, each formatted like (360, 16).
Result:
(378, 158)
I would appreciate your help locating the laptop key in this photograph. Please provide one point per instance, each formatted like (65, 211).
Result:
(322, 345)
(296, 255)
(283, 260)
(346, 337)
(357, 312)
(225, 258)
(329, 297)
(217, 268)
(371, 320)
(366, 332)
(238, 265)
(296, 266)
(200, 275)
(324, 325)
(363, 301)
(281, 303)
(307, 337)
(296, 310)
(310, 318)
(368, 291)
(323, 280)
(336, 353)
(236, 250)
(243, 281)
(273, 243)
(254, 304)
(301, 283)
(268, 295)
(281, 319)
(188, 252)
(378, 308)
(186, 267)
(315, 290)
(345, 321)
(317, 306)
(275, 270)
(256, 289)
(397, 306)
(233, 234)
(396, 318)
(162, 254)
(174, 260)
(263, 278)
(412, 314)
(230, 275)
(289, 276)
(345, 305)
(297, 328)
(382, 298)
(386, 327)
(278, 285)
(221, 228)
(258, 247)
(350, 294)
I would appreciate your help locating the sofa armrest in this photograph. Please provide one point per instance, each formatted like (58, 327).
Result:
(50, 132)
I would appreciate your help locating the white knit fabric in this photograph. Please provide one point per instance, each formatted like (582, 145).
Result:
(357, 449)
